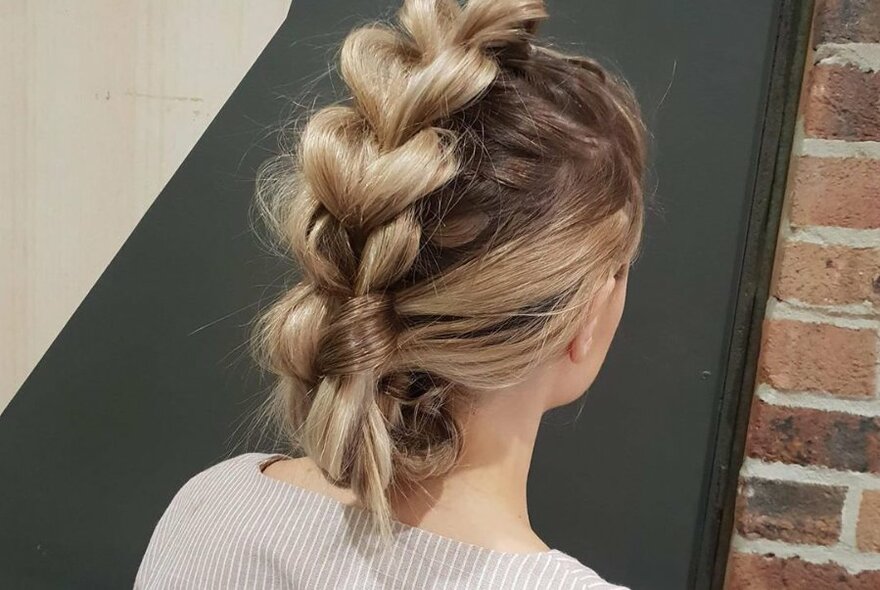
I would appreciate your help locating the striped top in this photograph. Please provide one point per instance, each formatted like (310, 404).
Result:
(232, 526)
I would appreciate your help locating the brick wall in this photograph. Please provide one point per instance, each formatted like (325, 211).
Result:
(808, 506)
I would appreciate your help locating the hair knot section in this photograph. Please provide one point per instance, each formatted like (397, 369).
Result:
(361, 337)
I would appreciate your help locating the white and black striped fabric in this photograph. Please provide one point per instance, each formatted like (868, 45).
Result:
(232, 526)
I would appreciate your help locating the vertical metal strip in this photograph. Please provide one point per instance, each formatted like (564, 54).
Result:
(794, 18)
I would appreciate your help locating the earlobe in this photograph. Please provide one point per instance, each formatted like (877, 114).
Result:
(579, 347)
(584, 348)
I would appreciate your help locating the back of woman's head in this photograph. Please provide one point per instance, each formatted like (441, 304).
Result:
(452, 221)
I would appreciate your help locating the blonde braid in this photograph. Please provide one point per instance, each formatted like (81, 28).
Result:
(353, 228)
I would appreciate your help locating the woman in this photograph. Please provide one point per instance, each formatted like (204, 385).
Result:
(464, 224)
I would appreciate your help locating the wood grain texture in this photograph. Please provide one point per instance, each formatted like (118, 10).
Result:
(100, 102)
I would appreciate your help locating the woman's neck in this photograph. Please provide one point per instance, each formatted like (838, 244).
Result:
(484, 497)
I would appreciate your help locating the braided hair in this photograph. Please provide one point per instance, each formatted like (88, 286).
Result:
(451, 219)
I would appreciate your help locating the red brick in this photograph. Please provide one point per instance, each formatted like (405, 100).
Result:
(800, 356)
(768, 572)
(804, 436)
(842, 192)
(868, 528)
(828, 275)
(841, 21)
(843, 102)
(790, 511)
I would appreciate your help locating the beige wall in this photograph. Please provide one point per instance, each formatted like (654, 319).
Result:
(100, 102)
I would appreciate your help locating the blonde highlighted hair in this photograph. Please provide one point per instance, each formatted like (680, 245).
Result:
(452, 220)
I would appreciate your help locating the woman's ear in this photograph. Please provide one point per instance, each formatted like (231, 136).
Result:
(580, 345)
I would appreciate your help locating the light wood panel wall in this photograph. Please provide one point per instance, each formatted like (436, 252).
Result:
(100, 102)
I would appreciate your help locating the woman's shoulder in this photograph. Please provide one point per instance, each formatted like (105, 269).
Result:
(225, 474)
(249, 461)
(228, 467)
(568, 572)
(215, 498)
(223, 483)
